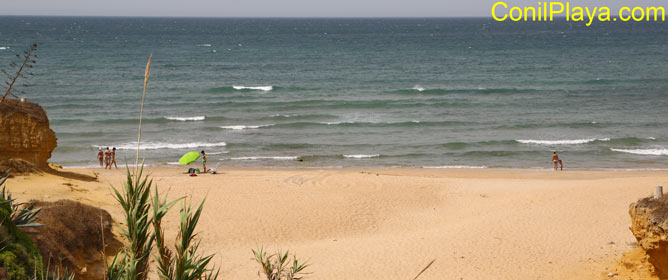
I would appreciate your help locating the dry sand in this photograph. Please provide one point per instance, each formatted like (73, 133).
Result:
(389, 224)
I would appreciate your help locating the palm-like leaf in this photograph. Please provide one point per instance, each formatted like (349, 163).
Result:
(23, 215)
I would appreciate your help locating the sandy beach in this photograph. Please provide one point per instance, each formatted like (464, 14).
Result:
(390, 223)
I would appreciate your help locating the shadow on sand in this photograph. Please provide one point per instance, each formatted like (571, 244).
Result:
(72, 175)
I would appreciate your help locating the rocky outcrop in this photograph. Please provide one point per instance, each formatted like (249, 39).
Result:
(649, 224)
(25, 133)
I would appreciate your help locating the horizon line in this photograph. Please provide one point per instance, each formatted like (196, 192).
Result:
(247, 17)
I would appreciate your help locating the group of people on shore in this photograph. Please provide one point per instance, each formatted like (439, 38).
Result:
(108, 157)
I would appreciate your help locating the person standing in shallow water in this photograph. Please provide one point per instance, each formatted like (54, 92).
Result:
(100, 156)
(204, 161)
(556, 161)
(113, 158)
(107, 158)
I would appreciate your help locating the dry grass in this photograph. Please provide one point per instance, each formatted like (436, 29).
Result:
(71, 237)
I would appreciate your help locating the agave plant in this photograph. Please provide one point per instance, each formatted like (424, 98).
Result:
(56, 275)
(23, 215)
(182, 263)
(133, 261)
(276, 266)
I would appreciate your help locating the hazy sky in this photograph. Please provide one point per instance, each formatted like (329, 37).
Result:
(278, 8)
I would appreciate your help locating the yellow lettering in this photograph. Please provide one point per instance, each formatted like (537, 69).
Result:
(655, 11)
(519, 17)
(590, 15)
(494, 11)
(552, 10)
(604, 14)
(621, 14)
(526, 13)
(578, 14)
(642, 14)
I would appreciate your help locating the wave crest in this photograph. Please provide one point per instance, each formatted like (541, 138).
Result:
(649, 152)
(562, 142)
(361, 156)
(183, 119)
(162, 145)
(242, 127)
(262, 88)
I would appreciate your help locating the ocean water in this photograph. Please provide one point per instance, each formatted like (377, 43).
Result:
(328, 93)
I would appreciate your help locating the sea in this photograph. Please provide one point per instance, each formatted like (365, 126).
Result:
(350, 92)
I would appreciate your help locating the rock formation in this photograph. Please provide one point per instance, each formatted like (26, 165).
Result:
(649, 224)
(25, 133)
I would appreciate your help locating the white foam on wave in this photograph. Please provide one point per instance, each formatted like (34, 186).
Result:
(360, 156)
(262, 88)
(204, 45)
(418, 88)
(649, 152)
(334, 123)
(4, 48)
(162, 145)
(242, 127)
(217, 153)
(264, 158)
(183, 119)
(562, 142)
(282, 116)
(454, 167)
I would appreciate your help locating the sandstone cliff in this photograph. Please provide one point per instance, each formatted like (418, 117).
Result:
(649, 224)
(25, 133)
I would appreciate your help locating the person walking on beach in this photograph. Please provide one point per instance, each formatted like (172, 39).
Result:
(113, 158)
(204, 161)
(100, 156)
(556, 160)
(107, 158)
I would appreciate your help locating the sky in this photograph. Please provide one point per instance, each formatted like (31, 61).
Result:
(281, 8)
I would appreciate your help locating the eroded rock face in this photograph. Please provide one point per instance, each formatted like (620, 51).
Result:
(25, 133)
(649, 224)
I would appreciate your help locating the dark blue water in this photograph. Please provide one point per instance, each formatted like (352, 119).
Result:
(352, 92)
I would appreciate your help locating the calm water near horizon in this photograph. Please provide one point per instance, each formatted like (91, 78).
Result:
(434, 92)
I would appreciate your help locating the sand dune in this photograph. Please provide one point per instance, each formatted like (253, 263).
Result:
(389, 224)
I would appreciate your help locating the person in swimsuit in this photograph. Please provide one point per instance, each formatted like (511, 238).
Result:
(100, 156)
(556, 161)
(113, 158)
(204, 161)
(107, 158)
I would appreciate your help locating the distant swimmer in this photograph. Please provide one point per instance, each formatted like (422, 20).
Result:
(556, 161)
(113, 158)
(100, 156)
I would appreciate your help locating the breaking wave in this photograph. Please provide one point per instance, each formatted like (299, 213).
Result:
(561, 142)
(183, 119)
(650, 152)
(162, 145)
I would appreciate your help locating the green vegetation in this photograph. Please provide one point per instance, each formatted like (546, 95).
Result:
(19, 258)
(182, 263)
(276, 266)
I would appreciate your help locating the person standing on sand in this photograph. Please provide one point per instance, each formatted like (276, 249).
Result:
(100, 156)
(204, 161)
(556, 160)
(107, 158)
(113, 158)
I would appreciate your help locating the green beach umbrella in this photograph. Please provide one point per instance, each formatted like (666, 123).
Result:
(188, 158)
